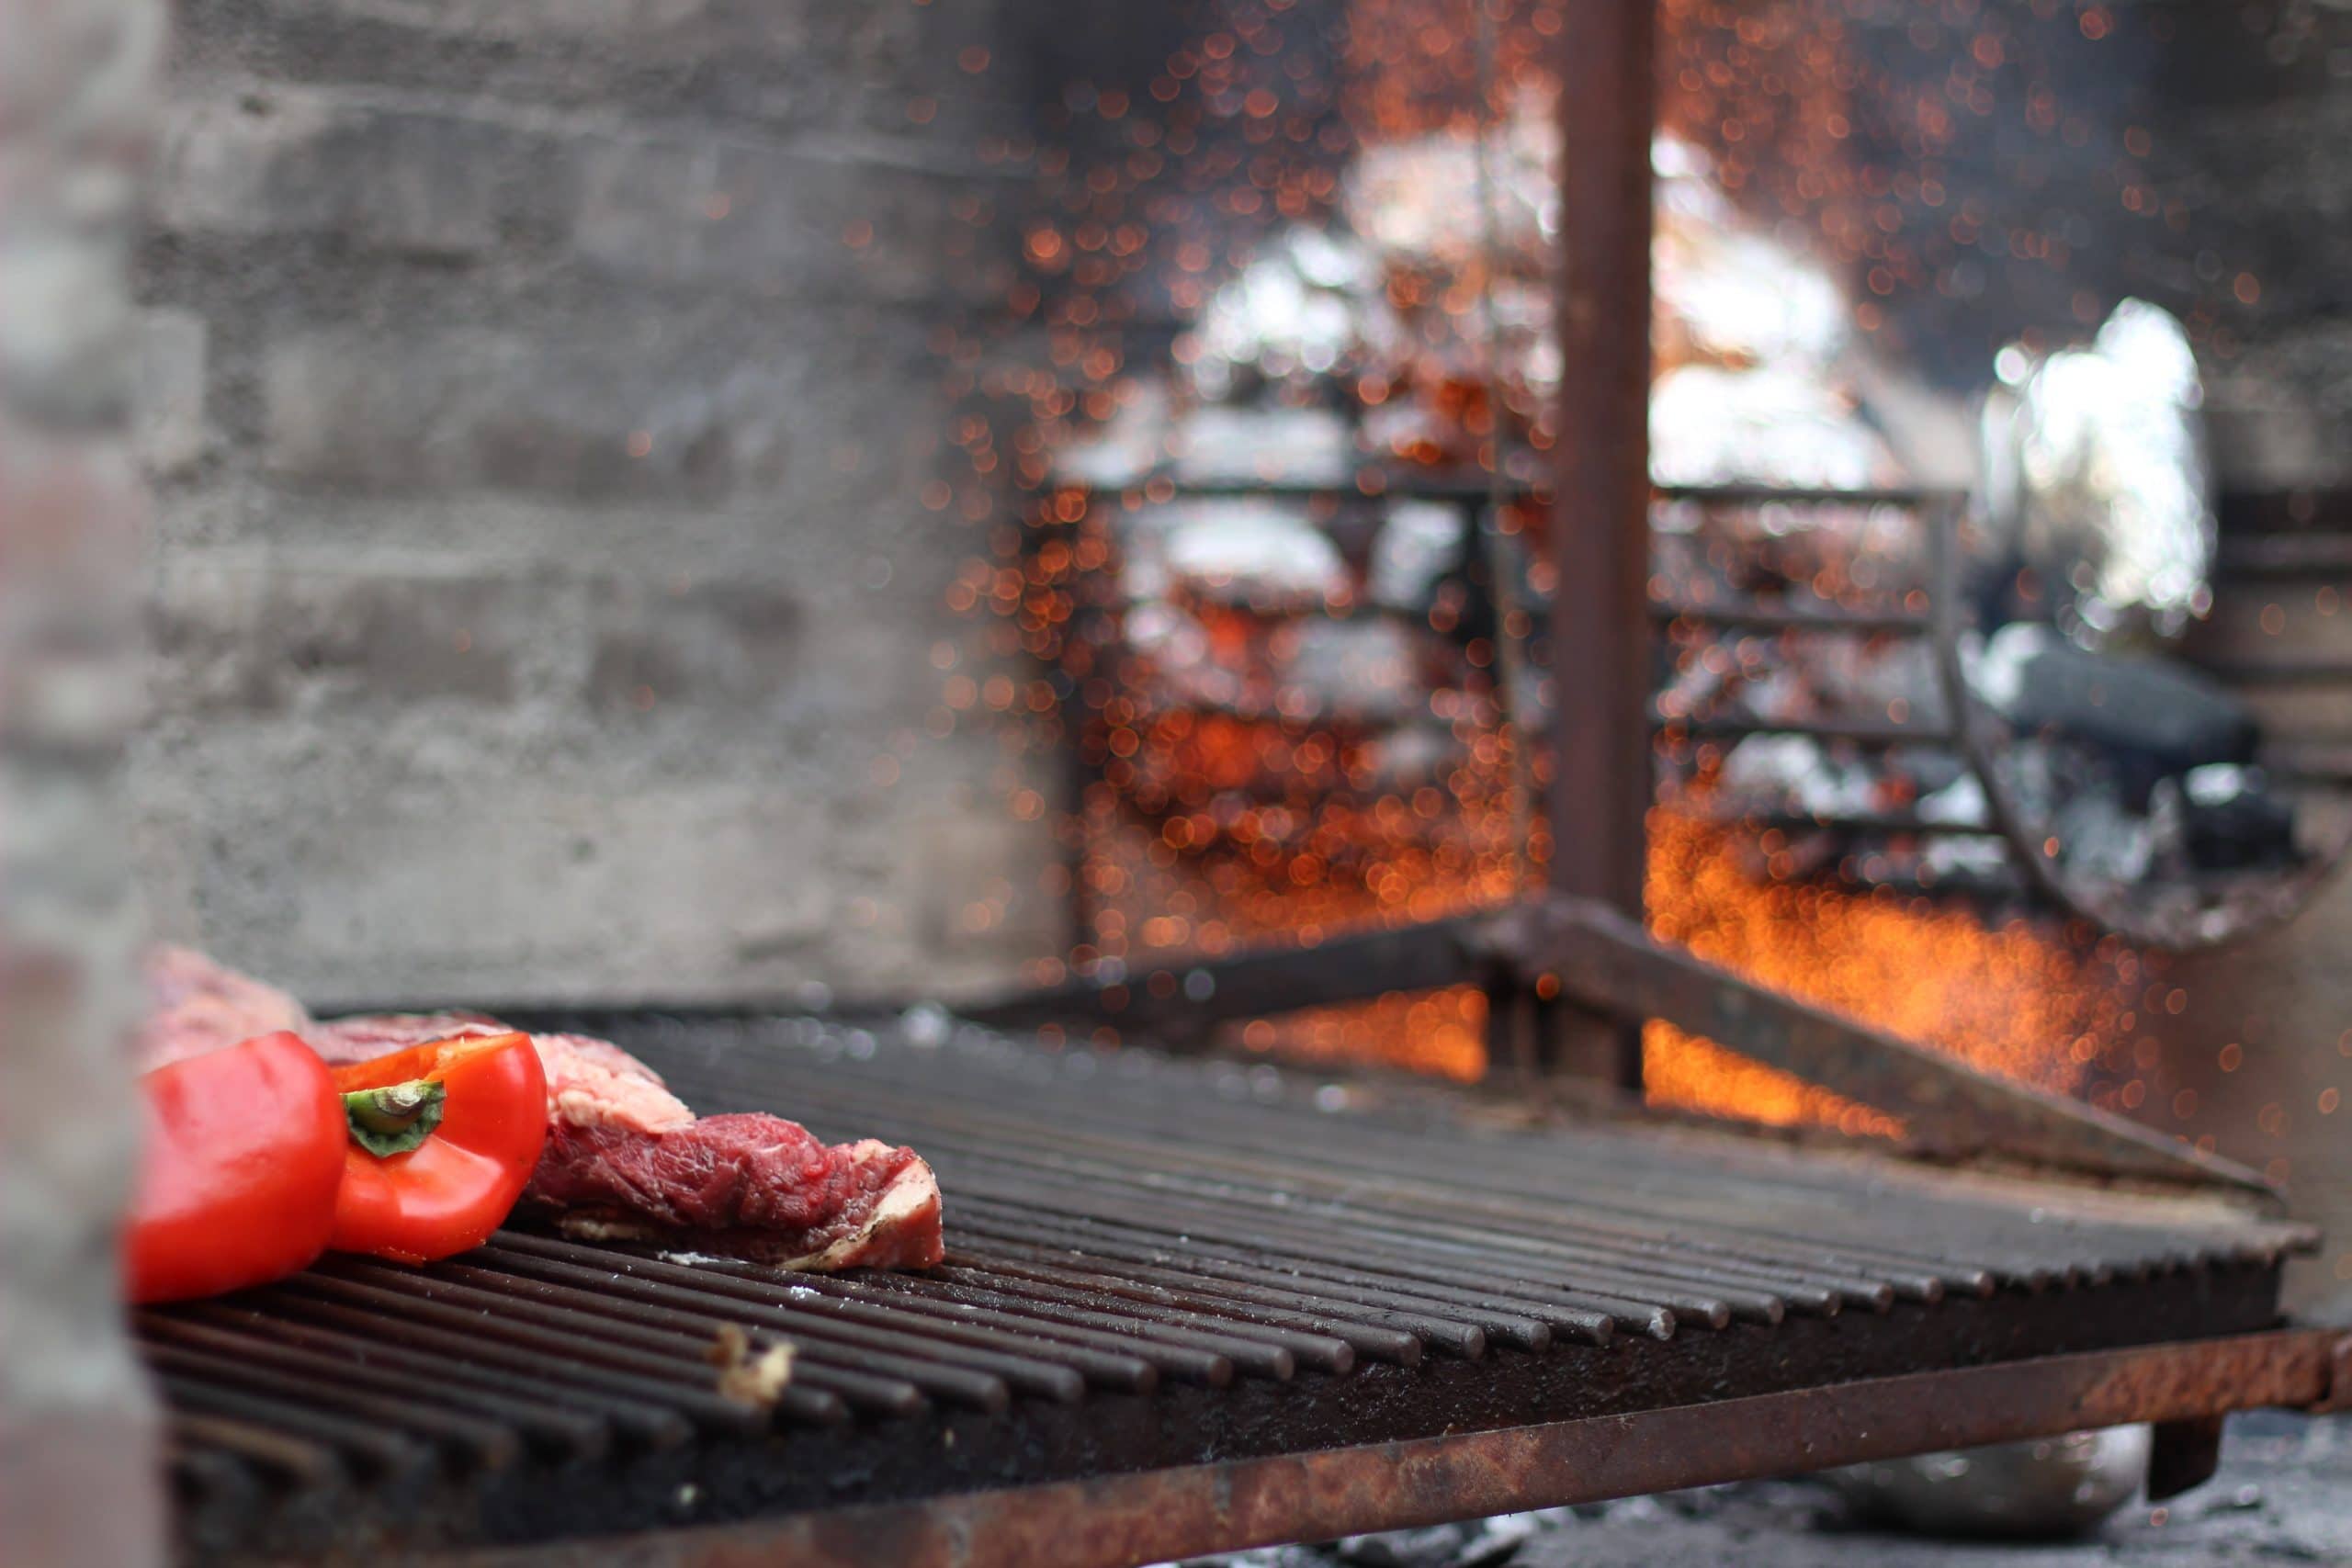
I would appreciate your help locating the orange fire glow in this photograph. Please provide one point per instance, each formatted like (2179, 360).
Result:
(2013, 1000)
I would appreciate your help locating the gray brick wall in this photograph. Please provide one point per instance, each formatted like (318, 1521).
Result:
(541, 394)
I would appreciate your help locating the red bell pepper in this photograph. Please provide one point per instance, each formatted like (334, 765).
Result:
(240, 1164)
(443, 1137)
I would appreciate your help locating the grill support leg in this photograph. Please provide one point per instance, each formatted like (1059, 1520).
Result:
(1599, 790)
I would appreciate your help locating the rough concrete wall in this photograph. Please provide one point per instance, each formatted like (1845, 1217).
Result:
(78, 1433)
(543, 395)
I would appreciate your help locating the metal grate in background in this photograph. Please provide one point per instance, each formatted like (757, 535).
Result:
(1152, 1261)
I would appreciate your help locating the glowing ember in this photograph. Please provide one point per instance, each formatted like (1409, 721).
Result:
(1441, 1033)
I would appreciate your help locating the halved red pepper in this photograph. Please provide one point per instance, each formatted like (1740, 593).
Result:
(442, 1138)
(240, 1166)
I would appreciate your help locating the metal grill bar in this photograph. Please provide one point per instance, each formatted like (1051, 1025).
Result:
(1616, 1259)
(1241, 1258)
(1598, 1172)
(749, 1289)
(220, 1446)
(1140, 1262)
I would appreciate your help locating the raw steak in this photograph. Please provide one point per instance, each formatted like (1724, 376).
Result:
(626, 1159)
(195, 1004)
(751, 1185)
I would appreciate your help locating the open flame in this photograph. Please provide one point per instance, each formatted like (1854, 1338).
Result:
(2014, 998)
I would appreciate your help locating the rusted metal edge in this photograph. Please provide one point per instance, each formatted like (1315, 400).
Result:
(1609, 963)
(1164, 1515)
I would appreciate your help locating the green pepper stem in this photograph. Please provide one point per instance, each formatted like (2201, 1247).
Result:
(396, 1118)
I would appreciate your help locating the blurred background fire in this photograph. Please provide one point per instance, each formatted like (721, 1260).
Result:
(1287, 446)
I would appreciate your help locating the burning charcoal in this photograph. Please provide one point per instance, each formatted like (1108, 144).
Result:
(1256, 553)
(1266, 566)
(2098, 479)
(2047, 1489)
(1504, 351)
(1125, 450)
(1949, 858)
(2154, 716)
(1867, 556)
(1366, 670)
(1526, 348)
(1792, 774)
(2233, 822)
(1412, 429)
(1417, 201)
(1264, 446)
(1960, 804)
(1420, 543)
(1851, 676)
(1178, 662)
(1412, 755)
(1695, 688)
(1779, 694)
(1716, 426)
(1727, 292)
(1311, 306)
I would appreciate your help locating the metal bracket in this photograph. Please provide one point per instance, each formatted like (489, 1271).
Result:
(1609, 962)
(1606, 964)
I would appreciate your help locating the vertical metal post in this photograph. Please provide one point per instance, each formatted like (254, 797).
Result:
(1600, 791)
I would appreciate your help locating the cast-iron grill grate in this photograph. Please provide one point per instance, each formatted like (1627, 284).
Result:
(1153, 1261)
